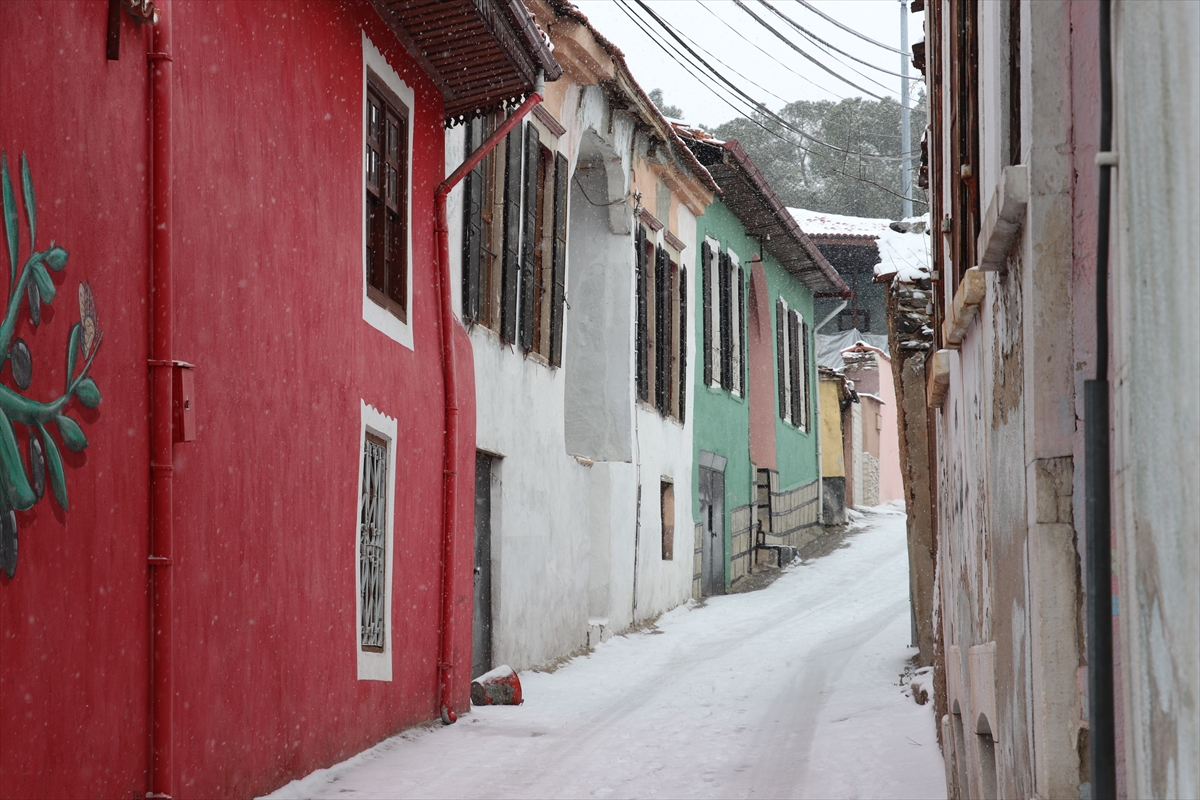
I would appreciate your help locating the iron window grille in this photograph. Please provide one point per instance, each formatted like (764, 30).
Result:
(372, 544)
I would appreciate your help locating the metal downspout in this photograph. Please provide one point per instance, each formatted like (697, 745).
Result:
(161, 773)
(450, 384)
(1101, 718)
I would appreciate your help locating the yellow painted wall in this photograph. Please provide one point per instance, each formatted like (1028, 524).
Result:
(833, 465)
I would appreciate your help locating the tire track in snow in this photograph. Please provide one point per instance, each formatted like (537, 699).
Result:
(728, 699)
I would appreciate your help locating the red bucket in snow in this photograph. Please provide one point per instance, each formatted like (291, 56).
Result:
(500, 687)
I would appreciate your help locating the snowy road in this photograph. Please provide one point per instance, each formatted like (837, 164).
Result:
(792, 691)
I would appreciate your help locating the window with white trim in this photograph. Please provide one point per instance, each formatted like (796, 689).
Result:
(724, 284)
(387, 108)
(373, 550)
(661, 332)
(793, 365)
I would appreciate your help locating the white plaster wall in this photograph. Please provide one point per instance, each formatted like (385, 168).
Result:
(1008, 559)
(600, 322)
(564, 515)
(540, 513)
(1156, 391)
(663, 450)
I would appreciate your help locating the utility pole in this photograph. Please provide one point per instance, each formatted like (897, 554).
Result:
(905, 135)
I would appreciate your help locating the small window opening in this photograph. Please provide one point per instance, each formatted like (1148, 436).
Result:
(667, 496)
(372, 563)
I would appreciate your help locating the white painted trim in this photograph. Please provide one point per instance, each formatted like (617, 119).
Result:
(736, 322)
(375, 666)
(714, 295)
(374, 314)
(786, 376)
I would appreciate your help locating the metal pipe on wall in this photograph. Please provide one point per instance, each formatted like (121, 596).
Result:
(450, 385)
(160, 772)
(1101, 716)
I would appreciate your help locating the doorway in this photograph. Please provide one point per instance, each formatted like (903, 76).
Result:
(481, 629)
(712, 540)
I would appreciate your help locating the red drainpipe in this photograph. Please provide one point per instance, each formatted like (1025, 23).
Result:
(161, 783)
(450, 382)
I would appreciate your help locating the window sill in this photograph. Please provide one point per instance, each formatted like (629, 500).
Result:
(391, 306)
(732, 395)
(650, 408)
(967, 298)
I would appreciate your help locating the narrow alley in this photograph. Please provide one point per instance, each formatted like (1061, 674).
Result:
(792, 691)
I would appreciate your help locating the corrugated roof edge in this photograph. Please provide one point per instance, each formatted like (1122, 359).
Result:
(758, 181)
(680, 150)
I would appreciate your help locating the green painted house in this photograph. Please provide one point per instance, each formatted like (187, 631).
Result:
(756, 480)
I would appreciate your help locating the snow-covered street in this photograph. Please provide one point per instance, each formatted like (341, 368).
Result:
(792, 691)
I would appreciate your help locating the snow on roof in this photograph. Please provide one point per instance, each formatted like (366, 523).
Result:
(818, 223)
(904, 250)
(903, 245)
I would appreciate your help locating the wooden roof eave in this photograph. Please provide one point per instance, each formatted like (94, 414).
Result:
(752, 200)
(496, 36)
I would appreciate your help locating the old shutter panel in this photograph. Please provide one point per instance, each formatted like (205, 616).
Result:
(512, 236)
(807, 376)
(639, 258)
(559, 291)
(780, 354)
(472, 227)
(706, 301)
(662, 330)
(741, 301)
(683, 339)
(794, 356)
(530, 241)
(724, 270)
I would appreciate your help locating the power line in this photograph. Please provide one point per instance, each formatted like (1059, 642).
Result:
(848, 29)
(789, 43)
(779, 63)
(818, 40)
(797, 48)
(765, 53)
(707, 52)
(745, 98)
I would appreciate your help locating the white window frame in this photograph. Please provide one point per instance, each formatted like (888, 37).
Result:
(375, 666)
(735, 321)
(801, 384)
(786, 376)
(375, 315)
(714, 311)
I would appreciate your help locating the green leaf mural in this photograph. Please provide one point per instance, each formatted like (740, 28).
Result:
(20, 487)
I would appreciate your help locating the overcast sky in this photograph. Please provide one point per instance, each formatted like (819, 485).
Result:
(744, 46)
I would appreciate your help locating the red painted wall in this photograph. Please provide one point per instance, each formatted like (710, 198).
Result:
(762, 371)
(267, 242)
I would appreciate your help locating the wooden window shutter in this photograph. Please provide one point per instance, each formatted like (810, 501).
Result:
(807, 366)
(724, 270)
(794, 357)
(639, 257)
(662, 330)
(529, 237)
(706, 302)
(558, 296)
(472, 239)
(780, 356)
(683, 340)
(512, 236)
(741, 301)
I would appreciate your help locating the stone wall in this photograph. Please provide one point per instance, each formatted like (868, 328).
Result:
(910, 337)
(741, 542)
(790, 517)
